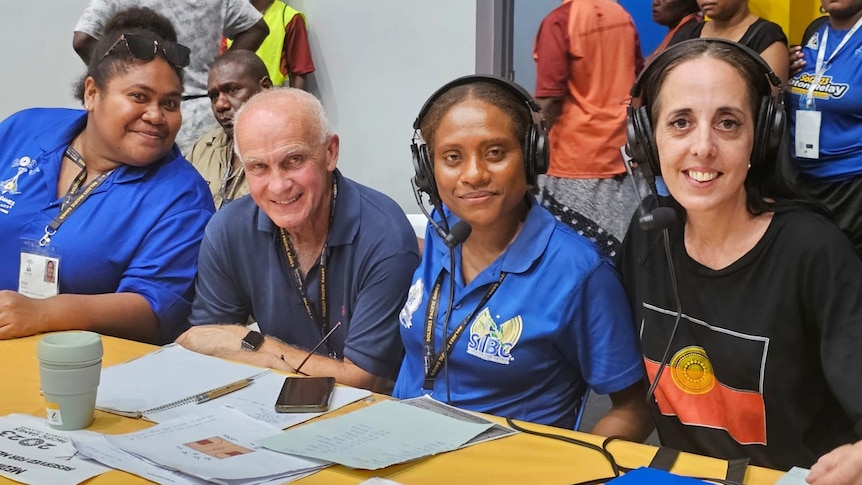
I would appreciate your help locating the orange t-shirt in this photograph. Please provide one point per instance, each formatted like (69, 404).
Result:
(588, 53)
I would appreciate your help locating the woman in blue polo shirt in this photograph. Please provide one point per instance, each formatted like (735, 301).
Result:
(102, 198)
(825, 107)
(537, 314)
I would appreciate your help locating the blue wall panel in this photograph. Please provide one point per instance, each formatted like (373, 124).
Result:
(650, 32)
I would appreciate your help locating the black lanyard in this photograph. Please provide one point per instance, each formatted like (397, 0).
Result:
(75, 196)
(431, 370)
(293, 261)
(230, 182)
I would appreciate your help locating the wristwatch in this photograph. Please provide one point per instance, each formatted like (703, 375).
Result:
(252, 341)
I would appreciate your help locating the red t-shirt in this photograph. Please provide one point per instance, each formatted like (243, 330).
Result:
(588, 53)
(296, 53)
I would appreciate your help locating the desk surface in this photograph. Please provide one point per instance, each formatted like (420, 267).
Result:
(517, 459)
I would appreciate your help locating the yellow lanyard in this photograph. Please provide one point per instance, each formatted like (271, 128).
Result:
(322, 321)
(74, 196)
(431, 370)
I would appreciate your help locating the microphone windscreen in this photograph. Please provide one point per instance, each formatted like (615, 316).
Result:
(658, 218)
(458, 234)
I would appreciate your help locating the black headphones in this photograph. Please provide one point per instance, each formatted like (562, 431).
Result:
(536, 145)
(770, 118)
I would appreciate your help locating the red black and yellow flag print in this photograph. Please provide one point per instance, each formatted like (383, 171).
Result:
(698, 394)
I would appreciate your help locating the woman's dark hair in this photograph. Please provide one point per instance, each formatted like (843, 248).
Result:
(688, 7)
(766, 188)
(134, 20)
(518, 113)
(678, 10)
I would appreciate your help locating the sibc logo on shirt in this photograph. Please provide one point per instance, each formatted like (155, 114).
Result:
(21, 166)
(492, 342)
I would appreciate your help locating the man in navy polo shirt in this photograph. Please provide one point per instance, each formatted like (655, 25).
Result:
(311, 255)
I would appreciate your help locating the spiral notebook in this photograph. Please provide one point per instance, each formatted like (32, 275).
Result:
(168, 378)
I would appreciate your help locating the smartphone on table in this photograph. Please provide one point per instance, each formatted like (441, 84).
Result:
(305, 395)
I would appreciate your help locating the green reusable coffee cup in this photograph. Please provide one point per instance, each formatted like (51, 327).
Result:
(70, 365)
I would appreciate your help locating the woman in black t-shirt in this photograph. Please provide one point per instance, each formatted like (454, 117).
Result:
(732, 20)
(747, 304)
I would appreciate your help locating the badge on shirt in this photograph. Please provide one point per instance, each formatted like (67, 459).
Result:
(39, 274)
(808, 134)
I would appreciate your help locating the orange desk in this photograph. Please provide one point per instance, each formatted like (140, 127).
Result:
(517, 459)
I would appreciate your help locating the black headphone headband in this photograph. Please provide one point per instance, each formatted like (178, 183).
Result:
(667, 55)
(515, 89)
(769, 119)
(536, 145)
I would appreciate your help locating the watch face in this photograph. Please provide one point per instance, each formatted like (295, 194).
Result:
(252, 341)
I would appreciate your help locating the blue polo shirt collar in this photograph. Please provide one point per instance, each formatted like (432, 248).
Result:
(520, 256)
(345, 226)
(57, 136)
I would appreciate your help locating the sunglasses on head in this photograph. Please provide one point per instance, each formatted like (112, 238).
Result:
(145, 48)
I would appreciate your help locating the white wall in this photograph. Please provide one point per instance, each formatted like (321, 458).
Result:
(377, 61)
(39, 65)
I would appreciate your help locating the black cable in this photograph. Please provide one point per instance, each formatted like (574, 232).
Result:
(574, 441)
(446, 322)
(678, 302)
(617, 469)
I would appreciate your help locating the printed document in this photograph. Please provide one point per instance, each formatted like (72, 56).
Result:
(496, 431)
(219, 446)
(377, 436)
(34, 453)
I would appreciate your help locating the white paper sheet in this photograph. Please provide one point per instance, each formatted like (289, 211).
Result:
(217, 446)
(34, 453)
(377, 436)
(167, 375)
(97, 447)
(258, 401)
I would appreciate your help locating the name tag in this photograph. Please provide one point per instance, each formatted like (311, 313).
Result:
(39, 275)
(808, 134)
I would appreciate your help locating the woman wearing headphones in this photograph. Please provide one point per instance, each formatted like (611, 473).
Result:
(537, 314)
(751, 328)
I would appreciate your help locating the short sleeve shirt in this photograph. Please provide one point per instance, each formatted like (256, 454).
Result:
(371, 253)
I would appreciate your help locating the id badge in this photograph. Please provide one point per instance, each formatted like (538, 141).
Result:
(39, 273)
(807, 143)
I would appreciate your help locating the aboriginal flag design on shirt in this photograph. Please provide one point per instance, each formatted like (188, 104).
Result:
(713, 377)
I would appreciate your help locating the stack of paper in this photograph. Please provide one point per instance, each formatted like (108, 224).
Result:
(377, 436)
(496, 431)
(217, 447)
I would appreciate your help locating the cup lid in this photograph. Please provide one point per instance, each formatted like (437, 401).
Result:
(70, 347)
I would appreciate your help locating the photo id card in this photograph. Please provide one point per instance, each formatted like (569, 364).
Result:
(808, 134)
(39, 275)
